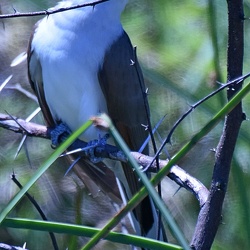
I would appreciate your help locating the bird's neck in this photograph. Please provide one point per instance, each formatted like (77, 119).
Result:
(100, 18)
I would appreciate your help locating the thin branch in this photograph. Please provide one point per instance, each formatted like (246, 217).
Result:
(9, 247)
(176, 174)
(38, 208)
(223, 86)
(31, 129)
(22, 90)
(235, 82)
(50, 11)
(149, 125)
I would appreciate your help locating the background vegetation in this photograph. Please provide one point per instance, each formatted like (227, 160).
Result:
(182, 47)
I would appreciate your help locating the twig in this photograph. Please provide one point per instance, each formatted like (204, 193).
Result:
(149, 125)
(32, 129)
(234, 82)
(50, 11)
(223, 86)
(177, 174)
(9, 247)
(40, 211)
(19, 88)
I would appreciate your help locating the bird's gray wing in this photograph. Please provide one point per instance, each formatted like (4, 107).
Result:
(123, 87)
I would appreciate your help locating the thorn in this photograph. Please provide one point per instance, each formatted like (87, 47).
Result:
(177, 191)
(145, 126)
(220, 83)
(218, 185)
(20, 146)
(154, 129)
(24, 245)
(27, 154)
(19, 59)
(5, 82)
(15, 11)
(47, 13)
(72, 165)
(141, 167)
(78, 150)
(213, 150)
(14, 119)
(33, 114)
(25, 136)
(13, 175)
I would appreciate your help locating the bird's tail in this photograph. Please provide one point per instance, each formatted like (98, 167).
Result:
(145, 217)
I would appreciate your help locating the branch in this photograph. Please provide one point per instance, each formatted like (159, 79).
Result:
(237, 81)
(231, 83)
(38, 208)
(21, 126)
(178, 175)
(210, 215)
(50, 11)
(8, 247)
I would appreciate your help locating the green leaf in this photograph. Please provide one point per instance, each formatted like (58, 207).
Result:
(66, 228)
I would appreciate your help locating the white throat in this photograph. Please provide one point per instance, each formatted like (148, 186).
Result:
(71, 46)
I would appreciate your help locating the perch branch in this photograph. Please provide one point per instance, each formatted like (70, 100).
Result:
(178, 175)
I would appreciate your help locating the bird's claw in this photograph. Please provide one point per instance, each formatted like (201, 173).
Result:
(59, 134)
(92, 146)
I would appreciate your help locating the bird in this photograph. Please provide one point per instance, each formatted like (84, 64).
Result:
(80, 64)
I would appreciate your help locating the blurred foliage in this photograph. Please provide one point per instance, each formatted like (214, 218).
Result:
(182, 46)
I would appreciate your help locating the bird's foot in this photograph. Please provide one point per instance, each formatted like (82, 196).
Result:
(90, 149)
(59, 134)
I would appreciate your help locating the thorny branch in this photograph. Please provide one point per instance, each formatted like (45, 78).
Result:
(237, 81)
(9, 247)
(38, 208)
(234, 82)
(50, 11)
(209, 217)
(178, 175)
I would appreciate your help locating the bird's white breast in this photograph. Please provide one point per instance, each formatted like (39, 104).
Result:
(71, 47)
